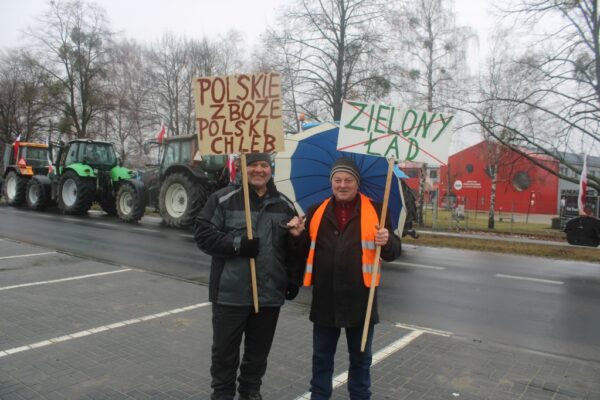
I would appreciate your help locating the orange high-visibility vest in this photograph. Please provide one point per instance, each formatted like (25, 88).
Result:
(368, 220)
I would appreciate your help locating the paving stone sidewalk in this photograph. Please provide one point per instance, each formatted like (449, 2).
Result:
(168, 355)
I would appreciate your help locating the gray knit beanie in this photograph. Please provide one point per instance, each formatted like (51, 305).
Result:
(253, 157)
(345, 164)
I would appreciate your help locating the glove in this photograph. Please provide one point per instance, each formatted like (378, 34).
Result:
(249, 247)
(291, 292)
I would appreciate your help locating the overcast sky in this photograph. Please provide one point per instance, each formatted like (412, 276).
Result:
(146, 20)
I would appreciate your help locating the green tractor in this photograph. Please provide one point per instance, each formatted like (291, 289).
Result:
(20, 162)
(88, 171)
(180, 182)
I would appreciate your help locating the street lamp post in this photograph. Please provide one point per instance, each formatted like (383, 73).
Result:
(531, 203)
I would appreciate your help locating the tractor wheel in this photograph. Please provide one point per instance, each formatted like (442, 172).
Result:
(36, 196)
(130, 203)
(75, 194)
(180, 200)
(13, 189)
(108, 205)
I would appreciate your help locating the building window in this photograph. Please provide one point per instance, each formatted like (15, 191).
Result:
(521, 181)
(433, 174)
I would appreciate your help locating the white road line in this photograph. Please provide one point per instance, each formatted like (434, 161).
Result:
(186, 236)
(73, 278)
(417, 265)
(145, 230)
(28, 255)
(426, 330)
(87, 332)
(525, 278)
(381, 355)
(71, 219)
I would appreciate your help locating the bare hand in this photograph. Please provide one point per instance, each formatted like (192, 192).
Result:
(296, 226)
(382, 236)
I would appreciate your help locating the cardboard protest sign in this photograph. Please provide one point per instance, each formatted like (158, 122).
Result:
(239, 113)
(388, 131)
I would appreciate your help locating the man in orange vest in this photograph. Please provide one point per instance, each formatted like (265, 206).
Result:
(342, 234)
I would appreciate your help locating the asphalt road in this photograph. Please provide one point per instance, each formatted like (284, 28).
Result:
(525, 302)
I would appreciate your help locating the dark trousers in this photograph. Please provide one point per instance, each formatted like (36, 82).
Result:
(359, 376)
(230, 323)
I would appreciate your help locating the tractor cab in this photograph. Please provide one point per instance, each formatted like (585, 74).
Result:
(100, 156)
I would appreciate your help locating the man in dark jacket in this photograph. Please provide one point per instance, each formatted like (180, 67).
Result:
(221, 232)
(343, 232)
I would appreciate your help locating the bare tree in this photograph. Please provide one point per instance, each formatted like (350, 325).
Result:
(69, 44)
(335, 44)
(174, 62)
(24, 98)
(431, 53)
(276, 54)
(128, 114)
(563, 92)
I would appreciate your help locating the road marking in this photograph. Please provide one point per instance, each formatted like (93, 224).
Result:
(103, 328)
(186, 236)
(145, 230)
(426, 330)
(525, 278)
(28, 255)
(72, 219)
(381, 355)
(417, 265)
(73, 278)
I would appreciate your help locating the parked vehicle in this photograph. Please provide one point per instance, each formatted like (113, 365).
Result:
(179, 184)
(19, 163)
(84, 172)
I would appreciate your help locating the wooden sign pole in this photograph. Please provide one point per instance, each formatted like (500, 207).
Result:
(246, 189)
(386, 198)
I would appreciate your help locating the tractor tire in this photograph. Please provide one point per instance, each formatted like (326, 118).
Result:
(108, 205)
(14, 188)
(36, 196)
(131, 204)
(75, 194)
(180, 200)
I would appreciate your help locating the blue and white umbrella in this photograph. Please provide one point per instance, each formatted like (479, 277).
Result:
(302, 172)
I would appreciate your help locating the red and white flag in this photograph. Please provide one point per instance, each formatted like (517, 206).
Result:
(582, 188)
(161, 134)
(16, 147)
(231, 167)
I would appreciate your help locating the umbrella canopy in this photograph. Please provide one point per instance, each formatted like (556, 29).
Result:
(302, 171)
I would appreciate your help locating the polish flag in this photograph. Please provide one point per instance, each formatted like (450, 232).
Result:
(16, 147)
(161, 134)
(231, 167)
(582, 188)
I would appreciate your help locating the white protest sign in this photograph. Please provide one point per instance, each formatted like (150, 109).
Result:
(239, 113)
(387, 131)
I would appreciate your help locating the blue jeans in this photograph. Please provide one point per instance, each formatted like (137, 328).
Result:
(359, 376)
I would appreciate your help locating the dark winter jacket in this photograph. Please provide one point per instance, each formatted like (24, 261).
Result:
(219, 228)
(339, 295)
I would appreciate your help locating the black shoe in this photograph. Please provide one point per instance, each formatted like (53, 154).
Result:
(250, 396)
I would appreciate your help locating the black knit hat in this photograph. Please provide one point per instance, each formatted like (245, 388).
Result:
(253, 157)
(345, 164)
